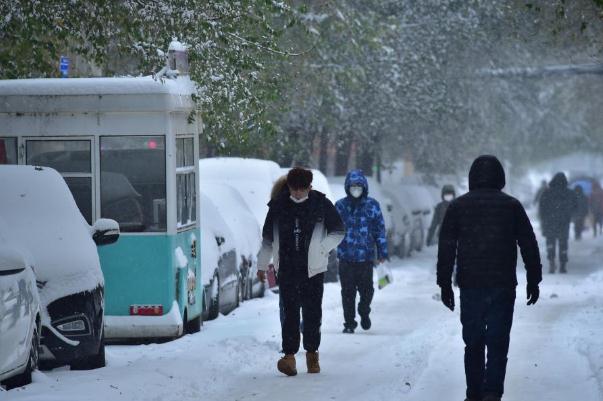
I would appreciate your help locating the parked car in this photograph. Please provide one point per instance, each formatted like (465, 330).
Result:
(246, 230)
(40, 211)
(252, 178)
(221, 278)
(20, 319)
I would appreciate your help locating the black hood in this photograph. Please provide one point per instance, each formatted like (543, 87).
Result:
(559, 181)
(486, 173)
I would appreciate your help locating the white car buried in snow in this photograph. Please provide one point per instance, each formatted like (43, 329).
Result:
(42, 217)
(19, 316)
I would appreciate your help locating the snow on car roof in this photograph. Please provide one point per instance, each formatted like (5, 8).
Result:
(40, 215)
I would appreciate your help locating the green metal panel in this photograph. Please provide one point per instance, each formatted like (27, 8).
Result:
(190, 293)
(138, 270)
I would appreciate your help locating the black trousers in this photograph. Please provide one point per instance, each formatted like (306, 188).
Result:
(487, 316)
(355, 277)
(306, 293)
(551, 248)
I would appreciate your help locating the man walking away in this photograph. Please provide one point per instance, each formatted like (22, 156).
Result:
(301, 227)
(365, 231)
(448, 195)
(557, 206)
(581, 212)
(481, 231)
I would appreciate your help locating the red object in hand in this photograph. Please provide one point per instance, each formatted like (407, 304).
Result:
(271, 274)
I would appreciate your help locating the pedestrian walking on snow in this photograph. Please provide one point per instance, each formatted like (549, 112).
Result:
(365, 234)
(557, 207)
(301, 228)
(448, 195)
(480, 232)
(581, 212)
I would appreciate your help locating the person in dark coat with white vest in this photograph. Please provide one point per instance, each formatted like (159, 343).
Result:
(301, 228)
(480, 233)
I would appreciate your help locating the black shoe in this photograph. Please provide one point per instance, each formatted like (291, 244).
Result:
(348, 330)
(562, 269)
(365, 322)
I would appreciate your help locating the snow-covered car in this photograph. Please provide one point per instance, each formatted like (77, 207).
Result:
(252, 178)
(19, 315)
(246, 230)
(221, 278)
(43, 218)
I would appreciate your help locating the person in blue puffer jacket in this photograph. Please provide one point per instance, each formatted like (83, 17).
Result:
(364, 244)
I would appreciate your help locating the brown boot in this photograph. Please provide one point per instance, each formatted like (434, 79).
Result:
(312, 362)
(286, 365)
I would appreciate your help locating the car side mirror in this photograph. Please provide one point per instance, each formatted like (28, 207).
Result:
(220, 240)
(105, 232)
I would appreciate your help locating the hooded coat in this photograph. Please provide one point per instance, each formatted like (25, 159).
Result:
(363, 220)
(439, 213)
(481, 231)
(557, 207)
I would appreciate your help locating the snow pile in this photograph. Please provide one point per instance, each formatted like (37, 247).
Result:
(41, 216)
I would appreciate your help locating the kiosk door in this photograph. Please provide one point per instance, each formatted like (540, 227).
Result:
(73, 159)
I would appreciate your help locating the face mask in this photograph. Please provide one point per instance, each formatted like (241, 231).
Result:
(356, 191)
(298, 200)
(448, 197)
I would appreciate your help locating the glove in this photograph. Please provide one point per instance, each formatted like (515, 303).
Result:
(448, 297)
(533, 293)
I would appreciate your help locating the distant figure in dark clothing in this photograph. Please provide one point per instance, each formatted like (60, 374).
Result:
(596, 208)
(581, 212)
(448, 195)
(543, 187)
(301, 227)
(480, 232)
(557, 207)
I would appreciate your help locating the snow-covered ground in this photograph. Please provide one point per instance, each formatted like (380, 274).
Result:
(413, 352)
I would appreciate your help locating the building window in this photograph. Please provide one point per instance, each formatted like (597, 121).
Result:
(133, 185)
(8, 150)
(185, 182)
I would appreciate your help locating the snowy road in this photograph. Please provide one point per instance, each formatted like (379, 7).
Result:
(414, 351)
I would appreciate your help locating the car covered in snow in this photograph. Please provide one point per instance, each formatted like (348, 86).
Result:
(19, 315)
(246, 231)
(252, 178)
(43, 218)
(221, 279)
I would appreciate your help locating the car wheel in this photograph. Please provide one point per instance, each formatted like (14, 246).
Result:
(239, 292)
(93, 361)
(32, 364)
(193, 326)
(214, 297)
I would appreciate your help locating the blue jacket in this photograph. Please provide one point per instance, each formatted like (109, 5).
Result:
(363, 220)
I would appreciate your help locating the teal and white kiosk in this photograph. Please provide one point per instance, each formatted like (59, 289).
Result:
(127, 149)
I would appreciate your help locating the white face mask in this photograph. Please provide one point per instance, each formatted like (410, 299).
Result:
(298, 200)
(356, 191)
(448, 197)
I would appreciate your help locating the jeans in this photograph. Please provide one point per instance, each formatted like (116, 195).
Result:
(356, 277)
(551, 247)
(487, 316)
(305, 293)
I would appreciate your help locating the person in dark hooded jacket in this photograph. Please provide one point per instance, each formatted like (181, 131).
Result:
(480, 232)
(581, 212)
(557, 206)
(448, 195)
(365, 233)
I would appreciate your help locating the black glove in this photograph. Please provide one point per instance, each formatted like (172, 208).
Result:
(448, 297)
(533, 293)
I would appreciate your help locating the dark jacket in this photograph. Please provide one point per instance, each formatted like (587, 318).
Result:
(581, 204)
(557, 207)
(439, 213)
(322, 231)
(365, 228)
(481, 231)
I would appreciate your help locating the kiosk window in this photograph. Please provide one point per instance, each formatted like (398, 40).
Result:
(133, 185)
(185, 182)
(70, 157)
(8, 150)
